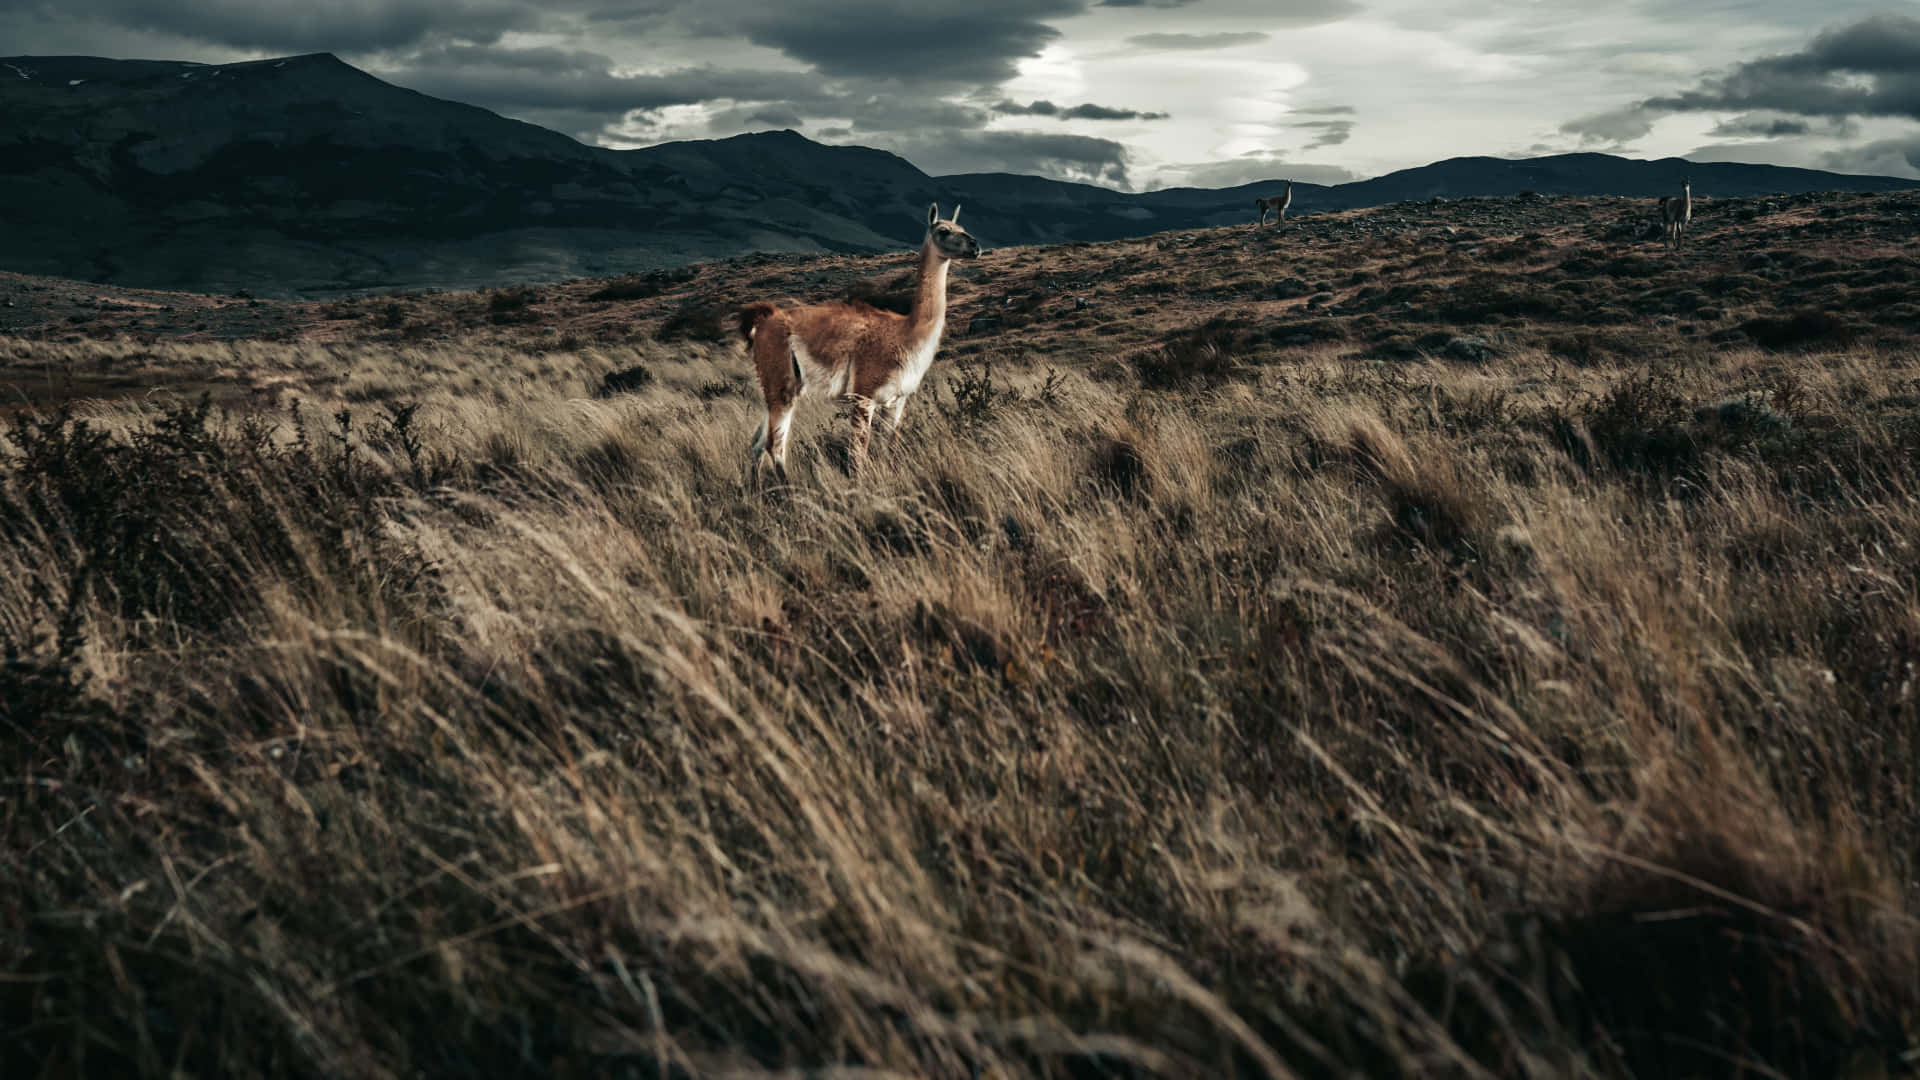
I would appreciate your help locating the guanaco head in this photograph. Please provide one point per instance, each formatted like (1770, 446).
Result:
(948, 238)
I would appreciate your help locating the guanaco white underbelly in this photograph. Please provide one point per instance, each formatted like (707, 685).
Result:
(819, 378)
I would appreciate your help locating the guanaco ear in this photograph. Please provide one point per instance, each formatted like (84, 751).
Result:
(956, 214)
(933, 213)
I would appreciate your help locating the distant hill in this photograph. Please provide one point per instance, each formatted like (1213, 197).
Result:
(307, 176)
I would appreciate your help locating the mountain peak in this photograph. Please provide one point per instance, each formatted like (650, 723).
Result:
(314, 175)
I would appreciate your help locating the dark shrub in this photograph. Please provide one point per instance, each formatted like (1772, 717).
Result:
(697, 320)
(1119, 466)
(975, 398)
(171, 525)
(1197, 355)
(1809, 326)
(512, 307)
(1640, 423)
(1470, 350)
(642, 286)
(511, 299)
(1634, 266)
(626, 381)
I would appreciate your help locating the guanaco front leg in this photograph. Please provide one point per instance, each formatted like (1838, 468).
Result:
(862, 432)
(895, 411)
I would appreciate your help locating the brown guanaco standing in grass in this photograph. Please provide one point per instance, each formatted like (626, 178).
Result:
(1676, 212)
(852, 352)
(1276, 204)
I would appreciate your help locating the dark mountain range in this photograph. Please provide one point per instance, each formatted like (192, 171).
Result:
(305, 175)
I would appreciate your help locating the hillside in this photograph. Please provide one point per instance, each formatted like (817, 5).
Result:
(305, 176)
(1384, 279)
(1459, 639)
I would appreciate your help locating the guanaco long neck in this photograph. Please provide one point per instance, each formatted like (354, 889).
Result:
(930, 299)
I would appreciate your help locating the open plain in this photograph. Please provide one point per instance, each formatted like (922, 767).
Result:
(1453, 639)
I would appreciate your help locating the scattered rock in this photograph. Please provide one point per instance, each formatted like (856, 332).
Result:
(1470, 350)
(1744, 414)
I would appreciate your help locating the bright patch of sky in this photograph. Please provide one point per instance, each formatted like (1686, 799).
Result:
(1134, 93)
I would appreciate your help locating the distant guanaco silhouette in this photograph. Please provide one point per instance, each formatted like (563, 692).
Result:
(1277, 204)
(1676, 212)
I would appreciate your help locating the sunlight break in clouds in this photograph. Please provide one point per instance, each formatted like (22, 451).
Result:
(1125, 92)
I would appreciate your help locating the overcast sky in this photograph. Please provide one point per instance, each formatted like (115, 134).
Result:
(1131, 93)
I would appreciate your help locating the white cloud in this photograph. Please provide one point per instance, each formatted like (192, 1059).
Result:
(1240, 79)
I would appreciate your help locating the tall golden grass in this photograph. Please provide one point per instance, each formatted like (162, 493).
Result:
(1337, 717)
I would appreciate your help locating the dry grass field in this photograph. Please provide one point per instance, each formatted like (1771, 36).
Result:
(1457, 640)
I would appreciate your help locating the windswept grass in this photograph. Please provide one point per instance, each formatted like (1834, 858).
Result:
(1392, 646)
(419, 710)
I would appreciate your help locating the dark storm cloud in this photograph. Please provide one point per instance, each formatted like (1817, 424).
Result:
(1868, 68)
(1763, 127)
(899, 112)
(630, 10)
(1613, 126)
(1252, 168)
(1225, 40)
(1775, 126)
(1326, 132)
(514, 80)
(348, 26)
(909, 75)
(756, 118)
(1871, 68)
(980, 42)
(1883, 157)
(1064, 157)
(1075, 112)
(1279, 12)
